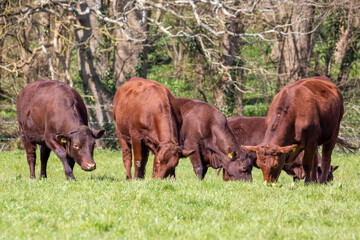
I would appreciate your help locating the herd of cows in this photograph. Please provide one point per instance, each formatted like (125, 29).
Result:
(302, 116)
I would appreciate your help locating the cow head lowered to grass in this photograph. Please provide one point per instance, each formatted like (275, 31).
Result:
(251, 131)
(54, 116)
(147, 119)
(302, 116)
(79, 145)
(206, 130)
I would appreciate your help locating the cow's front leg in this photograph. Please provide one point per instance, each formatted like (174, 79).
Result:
(308, 163)
(326, 160)
(136, 145)
(44, 157)
(60, 151)
(144, 160)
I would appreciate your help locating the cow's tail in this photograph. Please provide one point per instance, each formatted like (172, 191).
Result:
(345, 145)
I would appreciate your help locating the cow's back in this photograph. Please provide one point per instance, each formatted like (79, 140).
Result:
(248, 130)
(199, 118)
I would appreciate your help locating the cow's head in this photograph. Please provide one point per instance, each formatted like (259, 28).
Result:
(80, 144)
(238, 167)
(271, 159)
(167, 158)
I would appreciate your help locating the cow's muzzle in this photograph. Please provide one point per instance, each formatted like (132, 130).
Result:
(88, 166)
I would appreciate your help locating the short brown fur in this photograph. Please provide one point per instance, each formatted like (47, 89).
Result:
(206, 130)
(53, 115)
(146, 118)
(251, 131)
(302, 116)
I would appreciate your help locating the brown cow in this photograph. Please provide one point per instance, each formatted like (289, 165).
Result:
(302, 116)
(54, 116)
(251, 131)
(206, 130)
(147, 118)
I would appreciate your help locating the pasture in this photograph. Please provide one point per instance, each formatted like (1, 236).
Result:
(103, 205)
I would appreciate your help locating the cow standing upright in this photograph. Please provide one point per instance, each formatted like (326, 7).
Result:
(206, 130)
(147, 118)
(302, 116)
(53, 115)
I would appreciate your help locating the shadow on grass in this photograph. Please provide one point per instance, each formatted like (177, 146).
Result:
(104, 178)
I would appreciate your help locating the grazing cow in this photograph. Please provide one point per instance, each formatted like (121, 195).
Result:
(251, 131)
(205, 129)
(53, 115)
(147, 118)
(302, 116)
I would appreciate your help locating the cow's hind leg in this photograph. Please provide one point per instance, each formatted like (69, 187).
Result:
(326, 160)
(308, 163)
(44, 156)
(126, 151)
(30, 155)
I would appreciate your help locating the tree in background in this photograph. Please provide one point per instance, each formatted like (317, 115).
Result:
(228, 53)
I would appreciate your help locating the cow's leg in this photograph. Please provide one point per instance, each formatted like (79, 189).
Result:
(308, 163)
(30, 149)
(137, 149)
(126, 151)
(196, 160)
(71, 163)
(144, 160)
(45, 153)
(326, 160)
(60, 151)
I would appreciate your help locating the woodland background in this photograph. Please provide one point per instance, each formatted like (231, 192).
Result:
(235, 54)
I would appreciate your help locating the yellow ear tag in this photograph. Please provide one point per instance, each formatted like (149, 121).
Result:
(293, 149)
(63, 140)
(230, 155)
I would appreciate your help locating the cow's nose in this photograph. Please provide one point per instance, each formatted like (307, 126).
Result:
(91, 166)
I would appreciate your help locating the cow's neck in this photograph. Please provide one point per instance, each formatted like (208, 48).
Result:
(281, 136)
(73, 121)
(166, 131)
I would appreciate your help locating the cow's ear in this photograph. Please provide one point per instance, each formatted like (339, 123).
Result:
(97, 133)
(186, 152)
(289, 148)
(249, 149)
(333, 168)
(62, 138)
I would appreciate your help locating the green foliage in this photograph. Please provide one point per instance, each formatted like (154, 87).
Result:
(103, 205)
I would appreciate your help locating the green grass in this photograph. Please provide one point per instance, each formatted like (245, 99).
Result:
(103, 205)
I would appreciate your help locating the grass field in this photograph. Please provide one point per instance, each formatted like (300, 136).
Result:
(103, 205)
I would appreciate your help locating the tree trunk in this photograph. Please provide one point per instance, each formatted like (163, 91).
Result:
(126, 52)
(296, 49)
(91, 63)
(230, 50)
